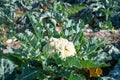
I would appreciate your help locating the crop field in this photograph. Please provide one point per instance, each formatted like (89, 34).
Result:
(59, 39)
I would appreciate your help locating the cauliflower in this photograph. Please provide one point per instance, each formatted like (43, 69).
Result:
(61, 45)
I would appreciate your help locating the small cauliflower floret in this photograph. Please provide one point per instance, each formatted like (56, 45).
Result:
(69, 50)
(61, 45)
(53, 41)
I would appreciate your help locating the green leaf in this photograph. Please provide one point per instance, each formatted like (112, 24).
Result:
(27, 74)
(89, 64)
(6, 68)
(74, 76)
(72, 62)
(13, 57)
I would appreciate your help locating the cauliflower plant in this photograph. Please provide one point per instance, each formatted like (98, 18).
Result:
(61, 45)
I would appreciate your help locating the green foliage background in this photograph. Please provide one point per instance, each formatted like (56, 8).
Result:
(30, 63)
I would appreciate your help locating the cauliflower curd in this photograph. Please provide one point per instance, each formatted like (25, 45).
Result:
(56, 45)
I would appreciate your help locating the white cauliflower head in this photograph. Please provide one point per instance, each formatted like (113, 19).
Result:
(61, 45)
